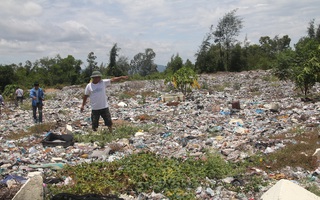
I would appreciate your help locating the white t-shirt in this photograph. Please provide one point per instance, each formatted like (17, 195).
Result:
(97, 94)
(19, 92)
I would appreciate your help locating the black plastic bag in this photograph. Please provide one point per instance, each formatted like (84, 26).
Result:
(52, 140)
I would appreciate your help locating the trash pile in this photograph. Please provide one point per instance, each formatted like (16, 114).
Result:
(230, 115)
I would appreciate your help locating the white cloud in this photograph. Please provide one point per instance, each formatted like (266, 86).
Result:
(30, 30)
(20, 8)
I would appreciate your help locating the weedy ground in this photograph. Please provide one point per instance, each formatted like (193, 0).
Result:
(177, 178)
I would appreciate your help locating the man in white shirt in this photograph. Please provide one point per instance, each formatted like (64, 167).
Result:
(96, 90)
(19, 95)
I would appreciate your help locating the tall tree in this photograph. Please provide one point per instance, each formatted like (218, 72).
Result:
(123, 65)
(71, 69)
(143, 63)
(313, 33)
(237, 61)
(174, 65)
(92, 65)
(271, 48)
(7, 75)
(189, 64)
(225, 35)
(46, 70)
(311, 29)
(201, 55)
(28, 67)
(112, 67)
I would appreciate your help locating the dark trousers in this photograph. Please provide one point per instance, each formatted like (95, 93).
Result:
(34, 109)
(19, 99)
(105, 114)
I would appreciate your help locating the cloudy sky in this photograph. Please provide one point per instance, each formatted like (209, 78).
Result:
(34, 29)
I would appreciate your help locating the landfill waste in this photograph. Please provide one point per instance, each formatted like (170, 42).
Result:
(236, 122)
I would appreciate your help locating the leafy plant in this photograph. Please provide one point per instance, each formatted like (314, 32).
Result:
(9, 91)
(103, 136)
(307, 76)
(184, 79)
(314, 188)
(145, 172)
(302, 66)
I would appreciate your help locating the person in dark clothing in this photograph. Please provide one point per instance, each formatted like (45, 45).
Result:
(37, 96)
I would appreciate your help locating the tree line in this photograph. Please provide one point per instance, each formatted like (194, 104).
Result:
(219, 51)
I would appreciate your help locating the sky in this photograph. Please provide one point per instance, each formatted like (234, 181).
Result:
(35, 29)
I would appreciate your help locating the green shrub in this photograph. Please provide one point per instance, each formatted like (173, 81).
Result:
(145, 172)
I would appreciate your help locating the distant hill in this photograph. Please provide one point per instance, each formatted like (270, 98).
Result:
(161, 68)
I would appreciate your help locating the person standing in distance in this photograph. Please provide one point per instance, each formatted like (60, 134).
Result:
(19, 96)
(1, 102)
(37, 96)
(96, 91)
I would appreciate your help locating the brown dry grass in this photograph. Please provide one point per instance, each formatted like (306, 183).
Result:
(51, 90)
(300, 146)
(34, 130)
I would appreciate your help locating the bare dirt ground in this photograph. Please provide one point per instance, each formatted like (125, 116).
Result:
(8, 193)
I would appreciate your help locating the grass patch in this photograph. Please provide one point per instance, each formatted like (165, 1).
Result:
(218, 88)
(298, 151)
(270, 78)
(25, 106)
(176, 178)
(35, 130)
(314, 188)
(103, 136)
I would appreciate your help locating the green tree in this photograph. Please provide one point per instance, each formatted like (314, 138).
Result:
(7, 75)
(203, 56)
(213, 61)
(28, 67)
(255, 57)
(71, 69)
(237, 60)
(314, 33)
(92, 65)
(21, 74)
(174, 65)
(123, 65)
(112, 67)
(45, 71)
(143, 63)
(306, 67)
(225, 35)
(189, 64)
(301, 66)
(272, 47)
(284, 65)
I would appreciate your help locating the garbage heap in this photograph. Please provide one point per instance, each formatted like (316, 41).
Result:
(233, 114)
